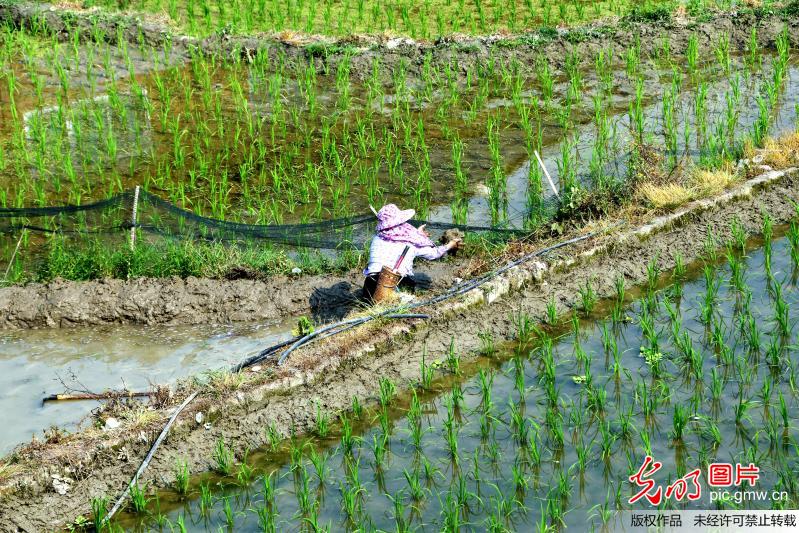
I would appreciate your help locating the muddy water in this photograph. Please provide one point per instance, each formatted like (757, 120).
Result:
(623, 416)
(37, 363)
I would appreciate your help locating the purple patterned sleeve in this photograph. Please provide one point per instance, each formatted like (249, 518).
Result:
(431, 252)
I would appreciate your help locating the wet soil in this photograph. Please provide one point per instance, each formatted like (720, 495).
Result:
(175, 301)
(332, 372)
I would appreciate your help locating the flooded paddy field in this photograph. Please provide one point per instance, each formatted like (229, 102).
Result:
(270, 138)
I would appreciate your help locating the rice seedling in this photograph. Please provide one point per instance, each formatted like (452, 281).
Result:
(739, 235)
(322, 428)
(182, 477)
(793, 240)
(387, 391)
(753, 57)
(349, 442)
(227, 510)
(679, 422)
(223, 458)
(266, 519)
(138, 498)
(742, 410)
(588, 297)
(692, 54)
(486, 381)
(206, 499)
(273, 437)
(268, 489)
(453, 360)
(379, 449)
(426, 374)
(180, 523)
(99, 507)
(781, 312)
(451, 433)
(552, 312)
(357, 408)
(487, 345)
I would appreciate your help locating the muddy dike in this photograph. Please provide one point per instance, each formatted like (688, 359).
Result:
(330, 373)
(462, 51)
(191, 301)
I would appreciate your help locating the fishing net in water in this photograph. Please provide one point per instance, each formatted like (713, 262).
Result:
(155, 216)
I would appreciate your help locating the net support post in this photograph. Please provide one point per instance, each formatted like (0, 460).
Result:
(134, 218)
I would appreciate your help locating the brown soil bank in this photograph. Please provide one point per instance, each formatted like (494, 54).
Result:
(176, 301)
(99, 463)
(463, 51)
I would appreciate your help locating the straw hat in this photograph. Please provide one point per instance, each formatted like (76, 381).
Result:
(391, 216)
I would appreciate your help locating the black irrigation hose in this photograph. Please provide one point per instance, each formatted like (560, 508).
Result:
(466, 286)
(263, 354)
(345, 325)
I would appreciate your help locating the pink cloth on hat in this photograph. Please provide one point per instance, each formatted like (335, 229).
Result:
(392, 226)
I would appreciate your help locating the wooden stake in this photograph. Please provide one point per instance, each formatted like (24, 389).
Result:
(101, 396)
(14, 255)
(134, 218)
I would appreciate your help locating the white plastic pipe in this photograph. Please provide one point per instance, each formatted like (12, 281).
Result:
(546, 173)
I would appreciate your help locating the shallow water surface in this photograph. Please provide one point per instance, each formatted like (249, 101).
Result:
(37, 363)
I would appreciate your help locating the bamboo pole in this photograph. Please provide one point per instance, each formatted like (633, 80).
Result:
(134, 219)
(100, 396)
(14, 255)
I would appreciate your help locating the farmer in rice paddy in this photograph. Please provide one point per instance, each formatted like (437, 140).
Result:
(394, 237)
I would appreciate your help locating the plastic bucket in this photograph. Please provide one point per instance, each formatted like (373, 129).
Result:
(387, 283)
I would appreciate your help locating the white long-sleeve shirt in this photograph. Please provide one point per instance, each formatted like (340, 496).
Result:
(382, 252)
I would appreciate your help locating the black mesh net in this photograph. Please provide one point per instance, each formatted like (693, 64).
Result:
(158, 217)
(106, 216)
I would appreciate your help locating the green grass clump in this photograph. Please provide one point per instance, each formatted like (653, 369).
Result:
(325, 50)
(659, 12)
(97, 260)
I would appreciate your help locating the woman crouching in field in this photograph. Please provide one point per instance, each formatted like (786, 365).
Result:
(394, 233)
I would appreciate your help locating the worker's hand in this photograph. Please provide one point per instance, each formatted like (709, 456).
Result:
(422, 230)
(454, 244)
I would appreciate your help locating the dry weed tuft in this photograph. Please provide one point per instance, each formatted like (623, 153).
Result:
(140, 416)
(710, 182)
(666, 196)
(161, 396)
(224, 380)
(6, 470)
(291, 37)
(782, 152)
(790, 141)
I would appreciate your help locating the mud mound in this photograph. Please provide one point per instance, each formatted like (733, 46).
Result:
(174, 301)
